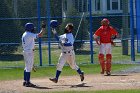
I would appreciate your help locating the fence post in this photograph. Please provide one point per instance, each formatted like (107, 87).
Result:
(91, 34)
(137, 3)
(38, 13)
(49, 33)
(132, 31)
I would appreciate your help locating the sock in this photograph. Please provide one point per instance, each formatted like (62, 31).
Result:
(79, 71)
(25, 76)
(28, 76)
(57, 74)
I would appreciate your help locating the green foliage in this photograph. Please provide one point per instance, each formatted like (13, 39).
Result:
(56, 4)
(11, 30)
(79, 33)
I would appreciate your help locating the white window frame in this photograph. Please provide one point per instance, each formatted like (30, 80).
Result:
(114, 11)
(81, 9)
(96, 5)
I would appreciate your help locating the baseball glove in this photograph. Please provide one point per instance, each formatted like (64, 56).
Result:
(112, 43)
(98, 41)
(43, 25)
(112, 38)
(34, 68)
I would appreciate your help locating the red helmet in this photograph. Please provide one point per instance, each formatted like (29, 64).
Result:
(105, 22)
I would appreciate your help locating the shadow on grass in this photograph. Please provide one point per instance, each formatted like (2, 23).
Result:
(117, 75)
(84, 52)
(39, 87)
(75, 86)
(11, 57)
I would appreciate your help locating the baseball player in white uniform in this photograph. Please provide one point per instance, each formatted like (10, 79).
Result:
(28, 44)
(67, 55)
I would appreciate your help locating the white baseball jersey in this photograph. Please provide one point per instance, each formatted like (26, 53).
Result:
(68, 54)
(28, 41)
(66, 41)
(28, 47)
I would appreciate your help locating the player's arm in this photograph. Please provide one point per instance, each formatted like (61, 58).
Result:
(114, 33)
(96, 36)
(53, 25)
(55, 34)
(43, 27)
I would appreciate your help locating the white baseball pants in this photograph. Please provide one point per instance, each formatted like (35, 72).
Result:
(29, 60)
(69, 58)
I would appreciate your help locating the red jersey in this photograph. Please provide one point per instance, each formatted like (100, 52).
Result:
(105, 34)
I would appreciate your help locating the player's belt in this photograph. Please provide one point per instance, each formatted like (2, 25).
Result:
(66, 52)
(29, 50)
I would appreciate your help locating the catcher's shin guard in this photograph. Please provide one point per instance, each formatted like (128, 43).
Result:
(108, 62)
(102, 62)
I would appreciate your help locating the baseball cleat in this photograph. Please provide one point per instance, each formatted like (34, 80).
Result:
(53, 80)
(29, 84)
(24, 83)
(82, 76)
(102, 72)
(108, 73)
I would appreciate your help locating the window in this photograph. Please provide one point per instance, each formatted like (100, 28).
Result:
(81, 5)
(108, 4)
(114, 4)
(65, 5)
(120, 4)
(85, 5)
(97, 5)
(76, 4)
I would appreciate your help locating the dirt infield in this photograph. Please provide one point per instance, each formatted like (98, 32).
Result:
(72, 83)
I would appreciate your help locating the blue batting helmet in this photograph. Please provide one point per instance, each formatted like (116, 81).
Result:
(29, 26)
(53, 23)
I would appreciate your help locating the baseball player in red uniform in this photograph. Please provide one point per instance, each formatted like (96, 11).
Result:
(28, 44)
(104, 38)
(67, 55)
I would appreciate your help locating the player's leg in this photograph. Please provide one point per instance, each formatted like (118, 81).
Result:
(25, 54)
(29, 59)
(60, 64)
(102, 62)
(108, 64)
(101, 58)
(108, 59)
(73, 65)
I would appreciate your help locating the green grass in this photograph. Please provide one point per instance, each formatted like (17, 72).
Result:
(82, 56)
(17, 73)
(16, 60)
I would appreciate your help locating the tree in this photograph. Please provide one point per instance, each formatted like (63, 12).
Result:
(125, 33)
(80, 34)
(9, 28)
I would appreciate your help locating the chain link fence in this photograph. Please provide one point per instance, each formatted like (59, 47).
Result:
(15, 13)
